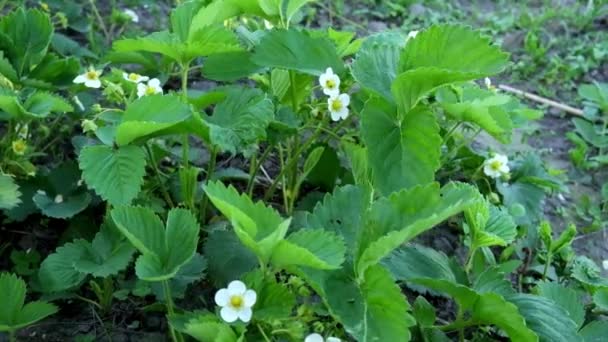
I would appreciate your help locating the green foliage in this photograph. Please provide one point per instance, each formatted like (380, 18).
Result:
(240, 121)
(157, 115)
(296, 50)
(116, 174)
(163, 250)
(9, 192)
(404, 152)
(376, 64)
(14, 312)
(107, 255)
(25, 37)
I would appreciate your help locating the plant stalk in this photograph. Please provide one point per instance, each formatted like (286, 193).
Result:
(175, 336)
(210, 171)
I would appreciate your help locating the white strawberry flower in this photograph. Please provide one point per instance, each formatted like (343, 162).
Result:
(605, 264)
(330, 82)
(318, 338)
(411, 35)
(134, 78)
(496, 166)
(89, 78)
(338, 106)
(236, 302)
(131, 14)
(151, 88)
(58, 199)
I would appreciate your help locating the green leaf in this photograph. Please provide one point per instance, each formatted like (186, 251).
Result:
(416, 261)
(275, 301)
(404, 152)
(588, 272)
(399, 218)
(190, 272)
(314, 248)
(181, 18)
(25, 37)
(492, 308)
(454, 47)
(228, 258)
(67, 207)
(489, 225)
(568, 299)
(13, 313)
(9, 192)
(108, 254)
(600, 298)
(547, 319)
(164, 251)
(150, 115)
(596, 92)
(297, 50)
(375, 310)
(492, 279)
(410, 87)
(229, 66)
(341, 213)
(6, 69)
(590, 133)
(259, 227)
(57, 272)
(208, 328)
(162, 42)
(239, 122)
(375, 66)
(41, 104)
(595, 331)
(424, 312)
(429, 268)
(115, 174)
(483, 108)
(209, 41)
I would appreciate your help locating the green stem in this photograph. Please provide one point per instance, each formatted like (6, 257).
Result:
(291, 162)
(185, 143)
(161, 185)
(470, 258)
(176, 336)
(102, 25)
(547, 263)
(263, 333)
(210, 171)
(256, 163)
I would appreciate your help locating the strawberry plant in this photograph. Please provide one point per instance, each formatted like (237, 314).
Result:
(290, 196)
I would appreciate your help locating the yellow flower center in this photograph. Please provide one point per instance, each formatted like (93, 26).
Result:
(236, 301)
(92, 75)
(19, 146)
(133, 76)
(150, 90)
(330, 84)
(336, 105)
(495, 165)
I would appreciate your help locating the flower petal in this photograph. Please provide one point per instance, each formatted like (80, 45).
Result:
(229, 314)
(245, 314)
(222, 297)
(155, 82)
(143, 79)
(236, 287)
(250, 298)
(345, 99)
(335, 116)
(92, 83)
(80, 79)
(333, 339)
(314, 338)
